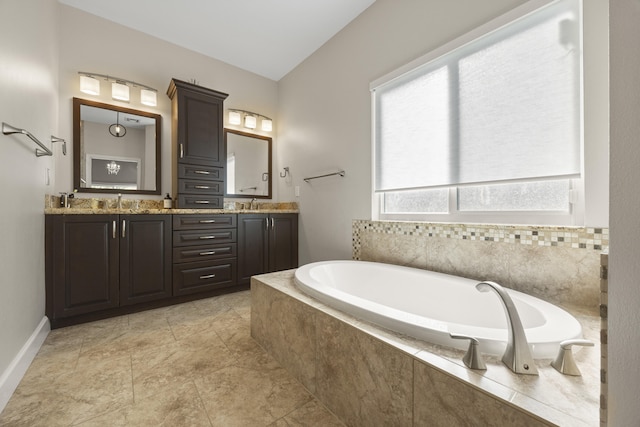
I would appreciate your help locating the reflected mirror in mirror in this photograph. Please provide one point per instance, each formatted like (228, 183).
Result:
(248, 164)
(115, 149)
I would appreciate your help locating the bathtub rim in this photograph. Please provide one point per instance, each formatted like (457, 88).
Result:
(544, 340)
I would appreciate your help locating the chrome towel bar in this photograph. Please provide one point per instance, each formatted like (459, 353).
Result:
(7, 129)
(341, 173)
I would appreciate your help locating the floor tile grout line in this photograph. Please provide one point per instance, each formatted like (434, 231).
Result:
(202, 402)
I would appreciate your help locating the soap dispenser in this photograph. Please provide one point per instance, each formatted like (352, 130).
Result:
(168, 202)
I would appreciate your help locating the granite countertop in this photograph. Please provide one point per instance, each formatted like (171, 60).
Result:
(152, 211)
(107, 206)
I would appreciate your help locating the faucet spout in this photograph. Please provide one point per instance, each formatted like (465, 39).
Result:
(119, 200)
(517, 356)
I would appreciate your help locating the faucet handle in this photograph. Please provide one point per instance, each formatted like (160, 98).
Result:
(564, 362)
(473, 358)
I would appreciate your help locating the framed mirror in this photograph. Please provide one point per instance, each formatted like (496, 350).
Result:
(115, 149)
(248, 164)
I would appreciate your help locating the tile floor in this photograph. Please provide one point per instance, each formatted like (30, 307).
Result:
(193, 364)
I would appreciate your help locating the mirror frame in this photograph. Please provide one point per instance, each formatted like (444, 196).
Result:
(77, 103)
(269, 141)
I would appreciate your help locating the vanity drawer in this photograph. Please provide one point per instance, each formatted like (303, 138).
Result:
(199, 222)
(189, 201)
(203, 237)
(195, 277)
(192, 186)
(204, 253)
(200, 172)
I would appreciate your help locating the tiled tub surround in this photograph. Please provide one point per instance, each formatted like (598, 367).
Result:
(558, 264)
(370, 376)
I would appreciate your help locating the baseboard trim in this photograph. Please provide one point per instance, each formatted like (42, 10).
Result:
(12, 376)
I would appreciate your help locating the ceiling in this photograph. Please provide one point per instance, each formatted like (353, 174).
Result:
(266, 37)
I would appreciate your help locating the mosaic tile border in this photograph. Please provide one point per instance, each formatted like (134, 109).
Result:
(604, 337)
(588, 238)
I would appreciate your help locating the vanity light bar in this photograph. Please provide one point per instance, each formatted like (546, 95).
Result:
(249, 119)
(90, 84)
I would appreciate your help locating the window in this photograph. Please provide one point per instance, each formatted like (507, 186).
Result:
(488, 124)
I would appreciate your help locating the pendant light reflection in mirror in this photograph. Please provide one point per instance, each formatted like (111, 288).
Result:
(117, 129)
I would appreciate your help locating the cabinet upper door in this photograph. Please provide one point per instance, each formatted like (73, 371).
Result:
(199, 124)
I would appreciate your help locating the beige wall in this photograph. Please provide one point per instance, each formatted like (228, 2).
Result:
(624, 269)
(29, 100)
(92, 44)
(325, 109)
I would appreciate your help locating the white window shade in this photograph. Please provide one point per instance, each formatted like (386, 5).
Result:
(503, 107)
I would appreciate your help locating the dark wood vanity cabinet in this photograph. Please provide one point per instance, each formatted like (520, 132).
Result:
(99, 266)
(266, 243)
(100, 262)
(199, 156)
(204, 252)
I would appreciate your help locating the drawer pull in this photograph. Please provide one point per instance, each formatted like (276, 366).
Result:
(208, 276)
(202, 187)
(206, 237)
(207, 221)
(201, 202)
(207, 253)
(202, 172)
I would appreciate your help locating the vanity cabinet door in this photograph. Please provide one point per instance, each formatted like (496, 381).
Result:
(253, 246)
(266, 243)
(145, 258)
(283, 242)
(84, 252)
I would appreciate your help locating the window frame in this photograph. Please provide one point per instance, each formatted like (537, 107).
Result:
(576, 213)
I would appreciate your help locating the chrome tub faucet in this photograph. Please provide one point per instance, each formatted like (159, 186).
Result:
(517, 356)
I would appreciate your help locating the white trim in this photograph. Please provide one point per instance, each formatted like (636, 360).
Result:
(12, 376)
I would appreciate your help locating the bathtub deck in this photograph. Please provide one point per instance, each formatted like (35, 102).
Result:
(370, 376)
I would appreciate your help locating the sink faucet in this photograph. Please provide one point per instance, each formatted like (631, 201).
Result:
(119, 201)
(251, 206)
(517, 356)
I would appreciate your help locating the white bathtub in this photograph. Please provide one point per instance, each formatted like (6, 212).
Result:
(429, 305)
